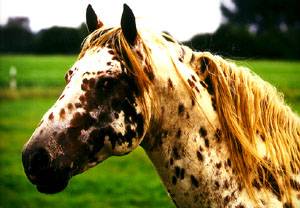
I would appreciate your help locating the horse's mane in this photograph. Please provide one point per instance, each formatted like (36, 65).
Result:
(248, 109)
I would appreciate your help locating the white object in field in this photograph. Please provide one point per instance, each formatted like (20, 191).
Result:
(13, 77)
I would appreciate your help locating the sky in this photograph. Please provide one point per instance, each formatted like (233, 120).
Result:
(182, 18)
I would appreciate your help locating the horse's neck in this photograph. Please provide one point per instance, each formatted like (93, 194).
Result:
(186, 148)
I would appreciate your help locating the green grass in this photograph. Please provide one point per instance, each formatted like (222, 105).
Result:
(284, 75)
(33, 70)
(128, 181)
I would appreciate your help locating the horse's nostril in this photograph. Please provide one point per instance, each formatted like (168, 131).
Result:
(36, 161)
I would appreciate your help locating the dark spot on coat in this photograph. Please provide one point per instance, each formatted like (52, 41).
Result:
(256, 184)
(187, 115)
(111, 52)
(78, 105)
(202, 132)
(115, 58)
(83, 121)
(263, 138)
(149, 72)
(191, 83)
(295, 185)
(218, 135)
(219, 165)
(82, 98)
(217, 184)
(240, 206)
(171, 161)
(200, 156)
(177, 171)
(229, 162)
(84, 87)
(92, 82)
(85, 81)
(226, 200)
(201, 148)
(170, 84)
(206, 141)
(240, 187)
(61, 97)
(150, 75)
(182, 172)
(203, 84)
(174, 180)
(51, 116)
(70, 106)
(193, 102)
(193, 77)
(140, 55)
(194, 181)
(226, 184)
(62, 113)
(180, 109)
(41, 131)
(287, 205)
(176, 154)
(178, 134)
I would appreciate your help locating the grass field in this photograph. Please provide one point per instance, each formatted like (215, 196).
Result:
(128, 181)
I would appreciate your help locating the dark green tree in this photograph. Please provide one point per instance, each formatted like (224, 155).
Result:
(59, 40)
(266, 15)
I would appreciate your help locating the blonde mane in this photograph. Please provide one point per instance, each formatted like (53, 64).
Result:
(248, 108)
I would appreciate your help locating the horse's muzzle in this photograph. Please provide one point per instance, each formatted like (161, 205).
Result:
(41, 171)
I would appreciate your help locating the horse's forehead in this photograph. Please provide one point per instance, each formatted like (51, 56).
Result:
(97, 59)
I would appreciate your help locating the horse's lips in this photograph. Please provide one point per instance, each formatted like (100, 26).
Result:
(53, 188)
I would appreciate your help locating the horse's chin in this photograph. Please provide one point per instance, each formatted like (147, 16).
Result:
(52, 188)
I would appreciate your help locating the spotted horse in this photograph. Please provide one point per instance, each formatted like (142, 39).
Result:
(217, 134)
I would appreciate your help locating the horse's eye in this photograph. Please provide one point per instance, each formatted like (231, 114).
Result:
(105, 84)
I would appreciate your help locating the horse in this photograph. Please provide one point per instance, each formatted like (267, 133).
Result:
(217, 134)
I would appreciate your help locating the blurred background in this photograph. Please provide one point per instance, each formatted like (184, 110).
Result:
(40, 40)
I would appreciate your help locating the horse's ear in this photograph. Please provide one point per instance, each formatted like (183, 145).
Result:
(92, 21)
(128, 25)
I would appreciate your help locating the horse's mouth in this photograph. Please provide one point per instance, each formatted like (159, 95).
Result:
(52, 188)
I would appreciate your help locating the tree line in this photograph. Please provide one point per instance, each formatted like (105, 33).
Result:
(16, 37)
(256, 29)
(252, 28)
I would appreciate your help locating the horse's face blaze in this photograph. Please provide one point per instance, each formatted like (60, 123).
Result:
(98, 115)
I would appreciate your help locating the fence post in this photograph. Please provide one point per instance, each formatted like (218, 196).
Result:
(13, 77)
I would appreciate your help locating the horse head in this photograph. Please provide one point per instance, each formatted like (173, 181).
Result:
(100, 113)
